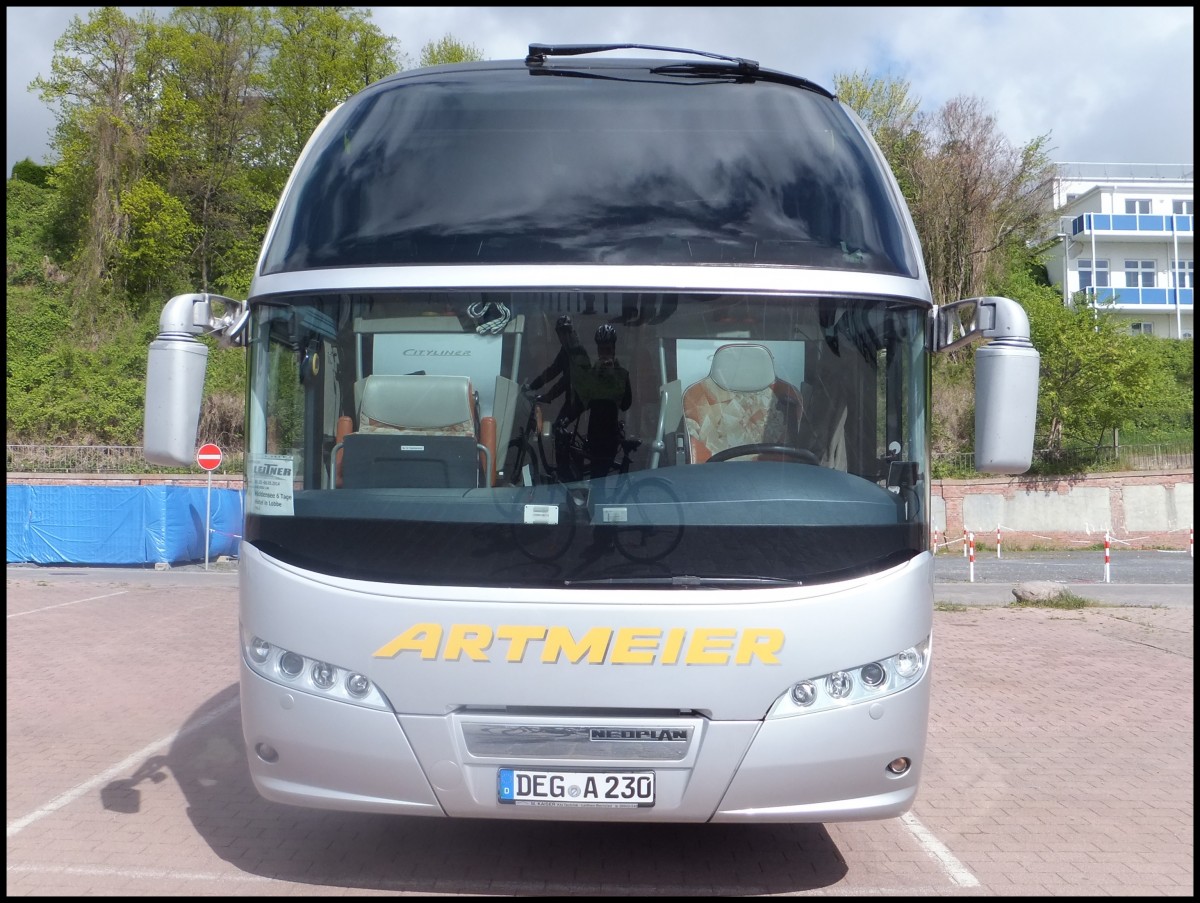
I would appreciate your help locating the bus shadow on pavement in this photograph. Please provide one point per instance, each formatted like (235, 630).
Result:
(460, 856)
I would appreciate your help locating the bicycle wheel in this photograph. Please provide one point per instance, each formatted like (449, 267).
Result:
(655, 521)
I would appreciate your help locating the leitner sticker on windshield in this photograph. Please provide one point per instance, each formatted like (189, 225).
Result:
(269, 485)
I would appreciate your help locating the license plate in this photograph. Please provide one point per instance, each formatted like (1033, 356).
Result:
(617, 789)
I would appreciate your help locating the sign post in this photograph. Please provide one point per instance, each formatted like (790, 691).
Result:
(209, 458)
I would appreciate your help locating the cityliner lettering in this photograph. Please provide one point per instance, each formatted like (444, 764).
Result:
(595, 646)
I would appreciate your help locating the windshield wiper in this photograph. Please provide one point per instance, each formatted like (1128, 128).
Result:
(685, 580)
(539, 52)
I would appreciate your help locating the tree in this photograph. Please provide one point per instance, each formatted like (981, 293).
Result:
(28, 171)
(321, 55)
(973, 195)
(448, 50)
(890, 115)
(100, 140)
(209, 117)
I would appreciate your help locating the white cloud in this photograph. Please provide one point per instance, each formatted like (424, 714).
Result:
(1108, 84)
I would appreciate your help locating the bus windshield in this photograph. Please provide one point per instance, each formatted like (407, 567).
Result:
(572, 438)
(618, 167)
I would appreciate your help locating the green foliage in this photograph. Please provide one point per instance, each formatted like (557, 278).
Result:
(321, 56)
(1066, 600)
(890, 114)
(28, 171)
(27, 212)
(1094, 377)
(153, 256)
(448, 50)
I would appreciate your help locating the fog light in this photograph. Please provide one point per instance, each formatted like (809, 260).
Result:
(899, 766)
(267, 753)
(805, 693)
(839, 684)
(291, 664)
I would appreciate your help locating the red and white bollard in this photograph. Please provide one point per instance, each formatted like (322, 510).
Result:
(997, 542)
(964, 540)
(1107, 559)
(971, 543)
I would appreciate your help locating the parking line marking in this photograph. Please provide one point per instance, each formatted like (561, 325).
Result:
(101, 872)
(958, 872)
(123, 767)
(34, 611)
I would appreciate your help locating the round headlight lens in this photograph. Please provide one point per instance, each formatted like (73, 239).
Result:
(873, 675)
(804, 693)
(839, 684)
(291, 664)
(357, 685)
(323, 675)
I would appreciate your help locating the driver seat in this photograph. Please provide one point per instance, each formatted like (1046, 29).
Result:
(740, 402)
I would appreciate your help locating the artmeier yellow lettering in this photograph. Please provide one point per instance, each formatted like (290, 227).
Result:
(630, 640)
(674, 643)
(422, 638)
(761, 643)
(519, 636)
(706, 641)
(560, 642)
(473, 639)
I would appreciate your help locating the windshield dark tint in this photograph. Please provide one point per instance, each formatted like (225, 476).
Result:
(508, 166)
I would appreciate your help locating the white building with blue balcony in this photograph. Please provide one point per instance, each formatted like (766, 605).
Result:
(1125, 242)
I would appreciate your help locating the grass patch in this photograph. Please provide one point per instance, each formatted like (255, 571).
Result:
(952, 606)
(1065, 600)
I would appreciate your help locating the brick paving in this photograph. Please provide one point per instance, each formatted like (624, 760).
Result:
(1060, 762)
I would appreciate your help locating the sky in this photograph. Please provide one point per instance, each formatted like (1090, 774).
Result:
(1107, 85)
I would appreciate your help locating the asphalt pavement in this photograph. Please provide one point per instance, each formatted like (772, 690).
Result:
(1127, 577)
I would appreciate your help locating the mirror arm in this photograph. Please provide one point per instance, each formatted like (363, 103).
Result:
(990, 317)
(192, 315)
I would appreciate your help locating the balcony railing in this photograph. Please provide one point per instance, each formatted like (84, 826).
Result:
(1133, 223)
(1142, 297)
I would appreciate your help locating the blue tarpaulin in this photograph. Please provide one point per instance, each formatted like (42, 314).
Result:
(125, 525)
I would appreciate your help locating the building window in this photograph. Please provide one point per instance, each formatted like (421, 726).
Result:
(1071, 198)
(1093, 274)
(1139, 273)
(1185, 274)
(1141, 328)
(1183, 208)
(1137, 205)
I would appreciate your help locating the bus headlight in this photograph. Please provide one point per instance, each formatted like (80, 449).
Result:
(309, 675)
(862, 683)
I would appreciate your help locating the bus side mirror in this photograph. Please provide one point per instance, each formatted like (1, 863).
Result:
(174, 391)
(1006, 377)
(1006, 387)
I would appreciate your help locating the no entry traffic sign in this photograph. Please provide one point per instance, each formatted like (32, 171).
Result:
(209, 457)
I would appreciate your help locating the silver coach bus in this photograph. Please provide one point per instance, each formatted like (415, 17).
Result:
(588, 449)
